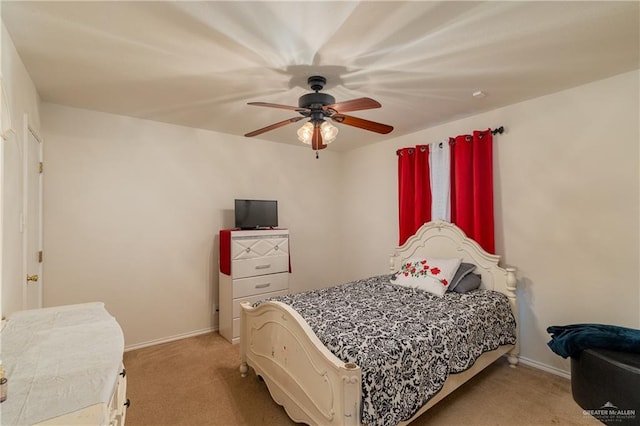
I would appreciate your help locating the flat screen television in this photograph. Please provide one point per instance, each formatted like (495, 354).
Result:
(256, 214)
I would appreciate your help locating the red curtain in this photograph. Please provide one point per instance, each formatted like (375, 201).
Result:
(472, 187)
(414, 189)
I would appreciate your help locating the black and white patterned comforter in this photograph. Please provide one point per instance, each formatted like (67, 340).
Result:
(406, 341)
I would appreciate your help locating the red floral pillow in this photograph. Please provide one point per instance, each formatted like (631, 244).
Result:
(428, 274)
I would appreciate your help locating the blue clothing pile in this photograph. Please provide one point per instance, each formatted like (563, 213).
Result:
(569, 340)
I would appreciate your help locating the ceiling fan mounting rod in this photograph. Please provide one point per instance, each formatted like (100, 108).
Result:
(316, 82)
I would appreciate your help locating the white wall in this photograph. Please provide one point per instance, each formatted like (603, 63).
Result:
(19, 98)
(566, 204)
(133, 207)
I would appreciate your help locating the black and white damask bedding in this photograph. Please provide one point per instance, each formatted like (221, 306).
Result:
(406, 341)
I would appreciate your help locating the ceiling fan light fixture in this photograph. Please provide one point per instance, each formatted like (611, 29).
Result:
(329, 132)
(305, 133)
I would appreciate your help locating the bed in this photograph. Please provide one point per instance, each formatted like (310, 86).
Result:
(317, 387)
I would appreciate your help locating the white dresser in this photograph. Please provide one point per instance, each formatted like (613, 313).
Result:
(254, 265)
(64, 366)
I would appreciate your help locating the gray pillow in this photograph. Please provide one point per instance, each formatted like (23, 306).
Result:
(463, 270)
(469, 282)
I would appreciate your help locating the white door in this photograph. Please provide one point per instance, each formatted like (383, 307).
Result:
(33, 219)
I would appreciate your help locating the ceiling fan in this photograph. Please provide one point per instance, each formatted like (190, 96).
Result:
(319, 107)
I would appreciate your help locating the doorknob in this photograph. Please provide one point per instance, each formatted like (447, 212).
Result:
(33, 278)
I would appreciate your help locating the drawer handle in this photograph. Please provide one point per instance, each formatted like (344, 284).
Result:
(128, 403)
(263, 266)
(123, 373)
(263, 285)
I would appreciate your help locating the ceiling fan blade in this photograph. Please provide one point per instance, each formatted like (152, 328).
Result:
(316, 141)
(273, 126)
(267, 104)
(354, 105)
(362, 123)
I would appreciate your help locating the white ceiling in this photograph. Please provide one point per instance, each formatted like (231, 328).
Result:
(197, 64)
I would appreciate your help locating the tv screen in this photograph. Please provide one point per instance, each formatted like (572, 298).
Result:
(254, 214)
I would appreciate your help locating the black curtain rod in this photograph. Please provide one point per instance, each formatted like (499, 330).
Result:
(497, 130)
(493, 132)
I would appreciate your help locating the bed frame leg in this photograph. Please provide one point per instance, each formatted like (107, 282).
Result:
(244, 368)
(513, 300)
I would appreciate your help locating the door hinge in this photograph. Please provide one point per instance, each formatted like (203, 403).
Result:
(41, 167)
(40, 256)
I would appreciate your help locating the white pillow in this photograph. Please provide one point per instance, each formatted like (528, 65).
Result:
(428, 274)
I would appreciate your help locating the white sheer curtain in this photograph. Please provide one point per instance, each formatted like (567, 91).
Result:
(439, 167)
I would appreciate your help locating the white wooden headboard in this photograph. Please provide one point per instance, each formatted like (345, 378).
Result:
(442, 240)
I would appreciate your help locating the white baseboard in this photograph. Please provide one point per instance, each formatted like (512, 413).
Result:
(523, 360)
(170, 339)
(545, 367)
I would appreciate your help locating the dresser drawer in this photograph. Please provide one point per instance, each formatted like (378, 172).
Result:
(259, 266)
(252, 246)
(237, 302)
(259, 285)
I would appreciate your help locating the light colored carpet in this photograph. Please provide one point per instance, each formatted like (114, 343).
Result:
(196, 381)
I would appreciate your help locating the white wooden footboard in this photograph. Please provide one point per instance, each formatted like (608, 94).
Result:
(312, 384)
